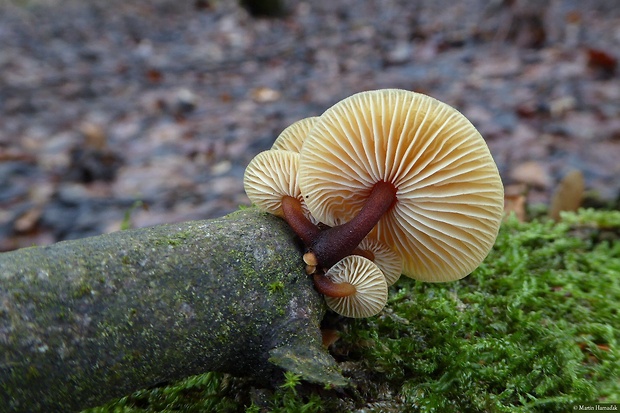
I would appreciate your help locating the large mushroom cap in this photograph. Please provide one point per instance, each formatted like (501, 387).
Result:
(293, 136)
(270, 176)
(449, 193)
(371, 289)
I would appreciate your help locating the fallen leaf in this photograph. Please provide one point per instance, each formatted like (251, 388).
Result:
(15, 155)
(532, 173)
(602, 62)
(154, 76)
(329, 336)
(27, 221)
(94, 136)
(265, 95)
(515, 197)
(568, 195)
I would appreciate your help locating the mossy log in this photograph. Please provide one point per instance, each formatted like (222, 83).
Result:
(85, 321)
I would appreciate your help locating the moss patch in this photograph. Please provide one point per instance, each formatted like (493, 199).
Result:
(536, 328)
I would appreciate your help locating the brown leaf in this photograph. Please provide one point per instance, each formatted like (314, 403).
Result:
(532, 173)
(602, 61)
(15, 155)
(515, 201)
(329, 336)
(568, 195)
(154, 76)
(265, 95)
(94, 136)
(28, 220)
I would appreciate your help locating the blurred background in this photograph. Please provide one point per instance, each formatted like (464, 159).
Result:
(117, 114)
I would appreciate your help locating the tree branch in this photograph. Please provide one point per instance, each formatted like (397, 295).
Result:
(85, 321)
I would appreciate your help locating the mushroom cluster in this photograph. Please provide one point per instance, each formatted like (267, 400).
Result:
(383, 183)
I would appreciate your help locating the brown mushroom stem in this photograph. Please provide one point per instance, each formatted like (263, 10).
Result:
(335, 243)
(295, 217)
(327, 287)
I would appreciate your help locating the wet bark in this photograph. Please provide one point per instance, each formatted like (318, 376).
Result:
(86, 321)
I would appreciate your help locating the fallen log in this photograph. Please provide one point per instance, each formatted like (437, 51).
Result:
(86, 321)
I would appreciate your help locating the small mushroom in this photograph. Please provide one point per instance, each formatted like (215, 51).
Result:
(409, 170)
(270, 176)
(368, 289)
(270, 181)
(384, 257)
(292, 138)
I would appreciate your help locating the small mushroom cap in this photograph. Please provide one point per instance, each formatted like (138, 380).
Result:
(269, 177)
(384, 257)
(294, 135)
(368, 280)
(449, 193)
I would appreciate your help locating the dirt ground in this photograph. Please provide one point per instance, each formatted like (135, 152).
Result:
(152, 109)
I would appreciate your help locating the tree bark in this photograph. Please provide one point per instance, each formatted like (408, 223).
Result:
(86, 321)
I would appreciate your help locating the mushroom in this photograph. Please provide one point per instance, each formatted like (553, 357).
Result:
(384, 257)
(293, 136)
(411, 171)
(368, 288)
(270, 181)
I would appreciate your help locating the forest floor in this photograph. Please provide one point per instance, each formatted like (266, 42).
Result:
(152, 109)
(138, 113)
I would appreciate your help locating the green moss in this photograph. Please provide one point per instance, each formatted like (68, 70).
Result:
(275, 287)
(593, 218)
(126, 222)
(179, 238)
(33, 373)
(530, 330)
(82, 290)
(536, 328)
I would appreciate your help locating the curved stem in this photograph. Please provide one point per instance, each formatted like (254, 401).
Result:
(326, 286)
(335, 243)
(295, 217)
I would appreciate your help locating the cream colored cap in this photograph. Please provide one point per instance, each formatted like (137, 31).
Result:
(449, 193)
(368, 280)
(292, 138)
(270, 176)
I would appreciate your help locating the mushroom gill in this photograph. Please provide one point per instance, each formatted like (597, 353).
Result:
(447, 202)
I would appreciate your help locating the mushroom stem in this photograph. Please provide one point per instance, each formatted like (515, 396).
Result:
(335, 243)
(295, 217)
(327, 287)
